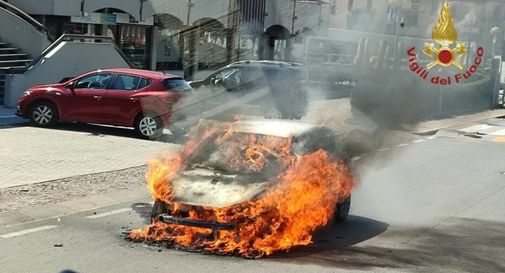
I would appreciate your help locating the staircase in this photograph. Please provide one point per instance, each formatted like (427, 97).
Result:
(12, 61)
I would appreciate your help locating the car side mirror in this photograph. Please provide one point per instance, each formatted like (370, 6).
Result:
(216, 82)
(229, 84)
(70, 86)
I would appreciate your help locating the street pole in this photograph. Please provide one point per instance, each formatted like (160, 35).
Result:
(397, 40)
(320, 17)
(293, 18)
(190, 5)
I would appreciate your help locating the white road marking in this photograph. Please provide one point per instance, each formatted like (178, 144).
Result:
(27, 231)
(431, 137)
(419, 141)
(402, 145)
(498, 133)
(476, 128)
(108, 213)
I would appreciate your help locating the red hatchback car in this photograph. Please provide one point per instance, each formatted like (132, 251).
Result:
(124, 97)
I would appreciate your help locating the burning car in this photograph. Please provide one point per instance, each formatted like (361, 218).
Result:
(248, 188)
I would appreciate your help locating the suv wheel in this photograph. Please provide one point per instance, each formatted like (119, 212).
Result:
(43, 114)
(342, 210)
(158, 209)
(149, 127)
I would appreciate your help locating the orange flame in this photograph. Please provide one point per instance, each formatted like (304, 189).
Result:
(302, 199)
(445, 32)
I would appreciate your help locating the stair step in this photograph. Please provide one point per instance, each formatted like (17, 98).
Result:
(3, 49)
(3, 44)
(13, 57)
(16, 61)
(5, 69)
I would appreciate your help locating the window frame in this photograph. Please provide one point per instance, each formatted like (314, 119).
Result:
(76, 82)
(117, 75)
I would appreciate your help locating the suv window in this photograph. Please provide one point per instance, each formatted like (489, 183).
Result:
(127, 82)
(252, 75)
(232, 73)
(177, 84)
(94, 81)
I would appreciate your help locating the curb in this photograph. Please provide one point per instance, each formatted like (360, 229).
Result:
(12, 120)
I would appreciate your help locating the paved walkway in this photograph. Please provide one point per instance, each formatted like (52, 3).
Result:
(30, 155)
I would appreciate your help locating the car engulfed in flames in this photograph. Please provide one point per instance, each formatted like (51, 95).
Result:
(249, 188)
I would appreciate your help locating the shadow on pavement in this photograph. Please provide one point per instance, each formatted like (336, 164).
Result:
(143, 210)
(460, 245)
(96, 130)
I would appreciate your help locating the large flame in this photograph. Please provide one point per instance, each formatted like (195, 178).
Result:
(301, 199)
(445, 32)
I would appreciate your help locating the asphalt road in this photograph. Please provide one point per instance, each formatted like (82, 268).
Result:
(428, 204)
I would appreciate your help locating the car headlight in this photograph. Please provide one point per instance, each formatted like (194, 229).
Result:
(27, 93)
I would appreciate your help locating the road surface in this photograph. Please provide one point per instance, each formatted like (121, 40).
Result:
(424, 204)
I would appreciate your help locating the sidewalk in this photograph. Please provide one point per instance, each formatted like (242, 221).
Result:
(427, 127)
(32, 155)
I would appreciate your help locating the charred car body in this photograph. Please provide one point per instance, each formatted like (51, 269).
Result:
(213, 177)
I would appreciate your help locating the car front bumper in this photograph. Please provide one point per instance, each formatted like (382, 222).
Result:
(181, 221)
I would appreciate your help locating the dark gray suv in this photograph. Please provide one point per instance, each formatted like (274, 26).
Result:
(268, 89)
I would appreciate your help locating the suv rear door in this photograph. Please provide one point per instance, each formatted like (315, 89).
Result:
(119, 104)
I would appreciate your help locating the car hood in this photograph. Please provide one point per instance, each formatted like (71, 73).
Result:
(209, 188)
(46, 87)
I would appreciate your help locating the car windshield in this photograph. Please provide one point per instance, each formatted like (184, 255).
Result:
(244, 153)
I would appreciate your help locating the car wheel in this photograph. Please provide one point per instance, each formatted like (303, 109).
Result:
(149, 127)
(43, 114)
(342, 210)
(158, 209)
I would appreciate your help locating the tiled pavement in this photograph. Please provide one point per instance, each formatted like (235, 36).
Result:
(30, 155)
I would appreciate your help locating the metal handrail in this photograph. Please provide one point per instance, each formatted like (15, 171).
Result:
(72, 37)
(24, 16)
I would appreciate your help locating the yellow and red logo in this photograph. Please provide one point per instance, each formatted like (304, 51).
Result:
(446, 52)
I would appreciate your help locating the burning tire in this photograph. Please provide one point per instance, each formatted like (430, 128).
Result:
(158, 209)
(43, 114)
(342, 210)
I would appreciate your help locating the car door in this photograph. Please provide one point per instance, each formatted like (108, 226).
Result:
(120, 102)
(86, 102)
(215, 99)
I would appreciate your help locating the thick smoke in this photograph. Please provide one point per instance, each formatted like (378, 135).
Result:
(359, 62)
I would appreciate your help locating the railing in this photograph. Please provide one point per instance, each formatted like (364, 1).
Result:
(25, 17)
(80, 37)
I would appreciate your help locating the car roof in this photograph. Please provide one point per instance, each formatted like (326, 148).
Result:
(140, 72)
(267, 63)
(274, 127)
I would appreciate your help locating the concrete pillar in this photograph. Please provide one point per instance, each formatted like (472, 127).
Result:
(190, 54)
(154, 47)
(230, 45)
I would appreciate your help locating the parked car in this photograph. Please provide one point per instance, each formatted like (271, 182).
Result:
(271, 89)
(124, 97)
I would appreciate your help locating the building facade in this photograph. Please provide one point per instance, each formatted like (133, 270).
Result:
(166, 35)
(473, 18)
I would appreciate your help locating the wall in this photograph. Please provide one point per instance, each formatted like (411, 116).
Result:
(280, 12)
(49, 7)
(64, 61)
(21, 34)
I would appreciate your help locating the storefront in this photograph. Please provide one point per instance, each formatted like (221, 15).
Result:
(131, 36)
